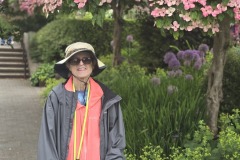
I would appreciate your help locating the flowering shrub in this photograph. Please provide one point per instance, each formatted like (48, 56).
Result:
(189, 58)
(51, 5)
(188, 64)
(190, 14)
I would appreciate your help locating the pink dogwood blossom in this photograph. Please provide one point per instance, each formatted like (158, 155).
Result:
(175, 26)
(158, 12)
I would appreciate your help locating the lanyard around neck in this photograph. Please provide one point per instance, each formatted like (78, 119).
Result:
(83, 127)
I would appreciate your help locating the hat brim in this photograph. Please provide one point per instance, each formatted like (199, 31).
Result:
(61, 68)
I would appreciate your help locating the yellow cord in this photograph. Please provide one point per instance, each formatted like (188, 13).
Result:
(84, 123)
(83, 128)
(75, 130)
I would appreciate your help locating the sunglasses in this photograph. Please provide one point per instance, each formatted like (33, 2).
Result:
(76, 61)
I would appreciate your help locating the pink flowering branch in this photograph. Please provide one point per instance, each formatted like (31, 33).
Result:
(190, 14)
(48, 5)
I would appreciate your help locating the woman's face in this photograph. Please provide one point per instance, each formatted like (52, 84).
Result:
(81, 65)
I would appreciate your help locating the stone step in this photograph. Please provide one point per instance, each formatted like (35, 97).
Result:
(11, 54)
(10, 49)
(11, 59)
(12, 70)
(14, 75)
(12, 64)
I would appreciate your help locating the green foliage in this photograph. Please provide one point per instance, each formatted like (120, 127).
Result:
(7, 28)
(50, 83)
(31, 23)
(151, 114)
(231, 79)
(50, 42)
(151, 152)
(155, 42)
(201, 146)
(42, 74)
(99, 11)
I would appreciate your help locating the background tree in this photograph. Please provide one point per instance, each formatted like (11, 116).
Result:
(214, 18)
(98, 9)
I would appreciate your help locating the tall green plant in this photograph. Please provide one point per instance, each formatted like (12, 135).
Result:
(159, 110)
(201, 146)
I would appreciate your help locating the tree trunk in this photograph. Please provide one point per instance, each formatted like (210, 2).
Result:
(214, 92)
(117, 7)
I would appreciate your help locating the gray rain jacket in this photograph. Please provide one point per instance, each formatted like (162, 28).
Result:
(57, 122)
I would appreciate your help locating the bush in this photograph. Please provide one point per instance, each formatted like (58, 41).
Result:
(50, 83)
(50, 42)
(31, 23)
(42, 74)
(231, 79)
(201, 146)
(8, 29)
(157, 109)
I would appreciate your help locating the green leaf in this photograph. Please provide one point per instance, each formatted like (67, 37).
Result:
(163, 33)
(193, 15)
(220, 17)
(181, 33)
(168, 22)
(225, 2)
(176, 35)
(159, 23)
(230, 12)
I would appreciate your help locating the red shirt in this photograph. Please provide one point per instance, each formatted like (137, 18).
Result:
(91, 141)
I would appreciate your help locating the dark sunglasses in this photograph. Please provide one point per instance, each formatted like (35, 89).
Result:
(76, 61)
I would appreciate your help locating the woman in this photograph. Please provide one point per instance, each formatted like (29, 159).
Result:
(82, 118)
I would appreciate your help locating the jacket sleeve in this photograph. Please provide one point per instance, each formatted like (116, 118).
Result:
(116, 140)
(47, 137)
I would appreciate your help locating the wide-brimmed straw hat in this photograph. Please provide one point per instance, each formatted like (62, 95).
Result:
(61, 68)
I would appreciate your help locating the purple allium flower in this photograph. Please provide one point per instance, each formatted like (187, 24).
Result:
(189, 77)
(198, 64)
(187, 63)
(196, 55)
(171, 89)
(129, 38)
(180, 55)
(156, 81)
(202, 54)
(171, 73)
(168, 56)
(189, 54)
(203, 47)
(174, 64)
(178, 72)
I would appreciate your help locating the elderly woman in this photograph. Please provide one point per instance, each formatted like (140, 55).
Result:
(82, 118)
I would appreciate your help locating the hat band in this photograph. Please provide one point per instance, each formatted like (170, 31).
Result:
(76, 50)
